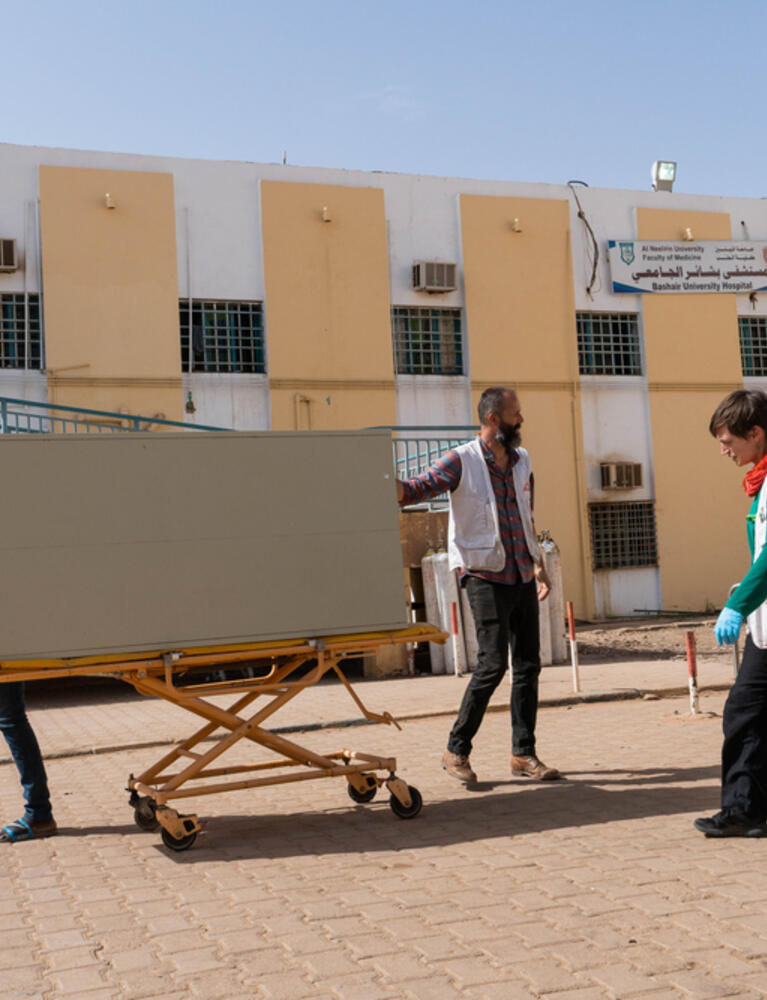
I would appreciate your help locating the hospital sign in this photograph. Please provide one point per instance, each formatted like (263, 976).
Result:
(702, 266)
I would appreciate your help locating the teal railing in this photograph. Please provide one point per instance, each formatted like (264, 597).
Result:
(20, 416)
(416, 448)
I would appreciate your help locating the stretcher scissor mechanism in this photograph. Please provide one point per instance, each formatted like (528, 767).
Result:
(192, 767)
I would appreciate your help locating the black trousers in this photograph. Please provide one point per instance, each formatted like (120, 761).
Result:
(744, 751)
(506, 617)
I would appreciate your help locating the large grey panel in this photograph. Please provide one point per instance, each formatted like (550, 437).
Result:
(124, 542)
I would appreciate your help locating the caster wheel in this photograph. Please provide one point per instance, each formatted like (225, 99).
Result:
(144, 814)
(182, 844)
(362, 797)
(407, 812)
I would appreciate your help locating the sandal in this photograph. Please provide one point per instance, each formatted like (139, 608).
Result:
(22, 830)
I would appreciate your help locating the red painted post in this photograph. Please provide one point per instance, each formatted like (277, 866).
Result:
(454, 630)
(454, 617)
(573, 647)
(571, 620)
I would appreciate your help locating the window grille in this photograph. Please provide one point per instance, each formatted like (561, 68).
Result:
(623, 534)
(753, 344)
(222, 337)
(427, 341)
(20, 333)
(608, 344)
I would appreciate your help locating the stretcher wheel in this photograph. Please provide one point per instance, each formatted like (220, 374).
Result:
(407, 812)
(361, 797)
(144, 814)
(180, 843)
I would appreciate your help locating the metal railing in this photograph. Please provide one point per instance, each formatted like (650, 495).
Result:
(418, 447)
(21, 416)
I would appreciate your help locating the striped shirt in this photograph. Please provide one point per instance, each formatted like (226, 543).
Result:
(445, 475)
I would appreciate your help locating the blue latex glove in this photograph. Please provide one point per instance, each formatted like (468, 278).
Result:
(727, 628)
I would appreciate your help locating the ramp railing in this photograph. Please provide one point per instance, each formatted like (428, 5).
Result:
(416, 447)
(22, 416)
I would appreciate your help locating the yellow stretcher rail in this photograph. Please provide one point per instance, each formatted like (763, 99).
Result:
(154, 673)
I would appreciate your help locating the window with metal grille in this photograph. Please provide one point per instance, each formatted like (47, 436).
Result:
(753, 344)
(608, 344)
(427, 341)
(20, 336)
(623, 534)
(222, 337)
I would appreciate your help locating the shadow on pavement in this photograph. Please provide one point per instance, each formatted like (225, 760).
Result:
(634, 776)
(359, 830)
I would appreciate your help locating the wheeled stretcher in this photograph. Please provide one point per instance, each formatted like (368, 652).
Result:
(193, 766)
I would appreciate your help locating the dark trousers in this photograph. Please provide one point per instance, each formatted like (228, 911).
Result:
(25, 751)
(506, 617)
(744, 751)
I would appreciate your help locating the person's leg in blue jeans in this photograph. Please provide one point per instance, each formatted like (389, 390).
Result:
(22, 742)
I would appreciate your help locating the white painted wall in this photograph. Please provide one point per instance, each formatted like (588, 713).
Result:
(29, 385)
(433, 400)
(237, 402)
(616, 428)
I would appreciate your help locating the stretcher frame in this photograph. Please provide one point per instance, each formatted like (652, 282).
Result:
(156, 674)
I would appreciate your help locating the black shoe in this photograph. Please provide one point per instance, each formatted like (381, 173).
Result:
(723, 825)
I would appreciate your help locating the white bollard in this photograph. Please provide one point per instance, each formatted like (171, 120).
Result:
(556, 599)
(436, 650)
(446, 586)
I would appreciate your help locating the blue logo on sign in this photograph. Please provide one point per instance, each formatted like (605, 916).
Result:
(627, 252)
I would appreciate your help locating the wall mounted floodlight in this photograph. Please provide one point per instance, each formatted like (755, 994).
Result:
(663, 175)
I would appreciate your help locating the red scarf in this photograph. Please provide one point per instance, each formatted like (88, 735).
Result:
(753, 480)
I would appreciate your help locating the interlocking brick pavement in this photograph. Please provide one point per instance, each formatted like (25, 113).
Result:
(594, 888)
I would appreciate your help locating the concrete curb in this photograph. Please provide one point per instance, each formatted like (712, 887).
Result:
(591, 697)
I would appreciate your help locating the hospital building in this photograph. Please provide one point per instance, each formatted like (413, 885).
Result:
(268, 296)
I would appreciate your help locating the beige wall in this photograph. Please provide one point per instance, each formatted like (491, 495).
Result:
(693, 360)
(111, 290)
(521, 330)
(327, 306)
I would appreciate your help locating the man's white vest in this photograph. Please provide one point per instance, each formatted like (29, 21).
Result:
(757, 620)
(474, 534)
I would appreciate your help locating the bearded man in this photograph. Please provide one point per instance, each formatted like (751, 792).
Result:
(493, 544)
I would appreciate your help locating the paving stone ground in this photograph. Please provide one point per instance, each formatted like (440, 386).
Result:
(593, 888)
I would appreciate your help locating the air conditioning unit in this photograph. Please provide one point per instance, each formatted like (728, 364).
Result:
(8, 261)
(620, 475)
(429, 276)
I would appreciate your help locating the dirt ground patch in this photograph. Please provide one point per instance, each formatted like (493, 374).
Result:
(648, 640)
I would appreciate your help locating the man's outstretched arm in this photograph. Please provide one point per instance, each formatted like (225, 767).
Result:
(442, 477)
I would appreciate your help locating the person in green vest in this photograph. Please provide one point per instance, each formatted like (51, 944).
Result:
(739, 424)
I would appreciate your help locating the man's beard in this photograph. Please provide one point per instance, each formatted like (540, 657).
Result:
(508, 435)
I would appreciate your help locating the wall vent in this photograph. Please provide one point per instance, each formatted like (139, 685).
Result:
(620, 475)
(429, 276)
(8, 261)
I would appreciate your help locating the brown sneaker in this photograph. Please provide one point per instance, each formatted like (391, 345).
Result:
(457, 766)
(531, 767)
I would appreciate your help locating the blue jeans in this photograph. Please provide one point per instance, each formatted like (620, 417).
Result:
(25, 751)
